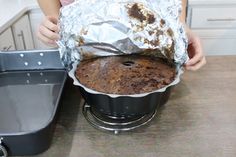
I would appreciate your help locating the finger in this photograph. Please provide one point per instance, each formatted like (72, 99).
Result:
(51, 24)
(46, 40)
(195, 51)
(197, 55)
(53, 19)
(197, 65)
(48, 33)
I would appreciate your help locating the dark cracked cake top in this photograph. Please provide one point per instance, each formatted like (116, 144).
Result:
(125, 75)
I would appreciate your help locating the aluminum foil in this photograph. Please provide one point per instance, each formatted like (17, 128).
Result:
(92, 28)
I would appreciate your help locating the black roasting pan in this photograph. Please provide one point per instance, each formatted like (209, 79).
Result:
(31, 84)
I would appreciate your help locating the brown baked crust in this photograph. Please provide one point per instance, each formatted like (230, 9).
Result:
(125, 75)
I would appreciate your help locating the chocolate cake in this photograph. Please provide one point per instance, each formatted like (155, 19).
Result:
(125, 75)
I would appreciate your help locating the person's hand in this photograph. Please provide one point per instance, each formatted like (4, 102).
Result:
(195, 52)
(48, 31)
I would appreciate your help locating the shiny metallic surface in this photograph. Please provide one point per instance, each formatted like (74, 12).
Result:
(21, 115)
(3, 151)
(29, 60)
(110, 22)
(117, 126)
(124, 107)
(28, 103)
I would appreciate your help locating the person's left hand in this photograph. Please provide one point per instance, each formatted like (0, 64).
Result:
(48, 31)
(195, 52)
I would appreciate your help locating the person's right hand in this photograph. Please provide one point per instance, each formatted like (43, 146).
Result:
(48, 31)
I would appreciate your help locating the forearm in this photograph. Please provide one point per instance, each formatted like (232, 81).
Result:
(184, 9)
(50, 7)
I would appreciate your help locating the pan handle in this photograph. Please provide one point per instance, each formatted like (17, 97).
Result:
(3, 150)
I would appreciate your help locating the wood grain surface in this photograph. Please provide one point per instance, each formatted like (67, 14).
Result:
(199, 120)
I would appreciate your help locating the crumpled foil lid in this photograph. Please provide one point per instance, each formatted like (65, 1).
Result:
(91, 28)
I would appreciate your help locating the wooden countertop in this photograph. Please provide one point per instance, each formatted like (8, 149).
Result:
(199, 120)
